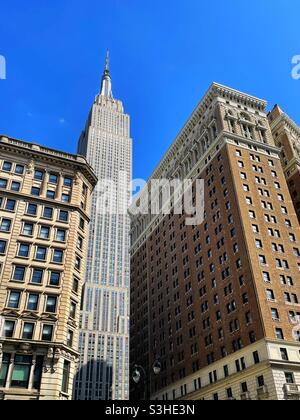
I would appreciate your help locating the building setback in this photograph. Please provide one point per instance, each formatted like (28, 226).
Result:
(287, 137)
(218, 304)
(45, 199)
(104, 338)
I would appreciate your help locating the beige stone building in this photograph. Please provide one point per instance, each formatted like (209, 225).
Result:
(218, 303)
(44, 218)
(286, 135)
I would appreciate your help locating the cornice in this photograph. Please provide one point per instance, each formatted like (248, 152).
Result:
(36, 151)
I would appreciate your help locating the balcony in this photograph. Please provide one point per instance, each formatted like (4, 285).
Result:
(292, 390)
(262, 392)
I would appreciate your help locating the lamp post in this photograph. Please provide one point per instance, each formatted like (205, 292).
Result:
(139, 373)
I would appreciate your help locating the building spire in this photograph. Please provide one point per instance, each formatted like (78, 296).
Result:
(106, 86)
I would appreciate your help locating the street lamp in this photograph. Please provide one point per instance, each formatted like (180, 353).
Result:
(140, 372)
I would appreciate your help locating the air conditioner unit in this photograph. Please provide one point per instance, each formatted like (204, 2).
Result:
(245, 396)
(292, 389)
(262, 391)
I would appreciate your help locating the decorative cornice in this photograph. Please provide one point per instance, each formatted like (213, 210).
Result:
(35, 151)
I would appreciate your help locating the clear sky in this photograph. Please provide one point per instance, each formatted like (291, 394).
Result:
(164, 56)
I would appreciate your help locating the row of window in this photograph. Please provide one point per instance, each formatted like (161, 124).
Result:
(39, 174)
(35, 302)
(38, 275)
(28, 332)
(25, 367)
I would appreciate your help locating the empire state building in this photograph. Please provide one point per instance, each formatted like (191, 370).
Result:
(103, 372)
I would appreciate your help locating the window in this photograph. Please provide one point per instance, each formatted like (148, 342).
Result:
(3, 245)
(66, 198)
(5, 225)
(256, 357)
(73, 310)
(54, 278)
(10, 205)
(14, 300)
(28, 331)
(58, 256)
(44, 232)
(15, 186)
(279, 334)
(68, 182)
(37, 276)
(78, 263)
(81, 224)
(284, 354)
(229, 393)
(38, 175)
(47, 333)
(38, 370)
(33, 301)
(70, 338)
(41, 253)
(260, 381)
(3, 183)
(48, 213)
(51, 304)
(19, 169)
(53, 179)
(289, 378)
(7, 166)
(9, 328)
(79, 242)
(35, 191)
(32, 209)
(23, 250)
(63, 216)
(51, 194)
(19, 273)
(275, 314)
(21, 371)
(61, 235)
(4, 369)
(66, 377)
(75, 285)
(27, 229)
(244, 387)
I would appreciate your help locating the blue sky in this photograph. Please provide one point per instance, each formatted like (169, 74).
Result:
(164, 55)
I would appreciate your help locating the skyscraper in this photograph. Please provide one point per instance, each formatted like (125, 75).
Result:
(104, 338)
(218, 303)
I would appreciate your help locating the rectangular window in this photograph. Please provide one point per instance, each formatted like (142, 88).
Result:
(21, 371)
(14, 300)
(54, 278)
(4, 369)
(41, 253)
(19, 273)
(47, 333)
(5, 225)
(3, 245)
(37, 276)
(51, 304)
(10, 205)
(32, 209)
(38, 371)
(66, 377)
(9, 328)
(33, 302)
(28, 331)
